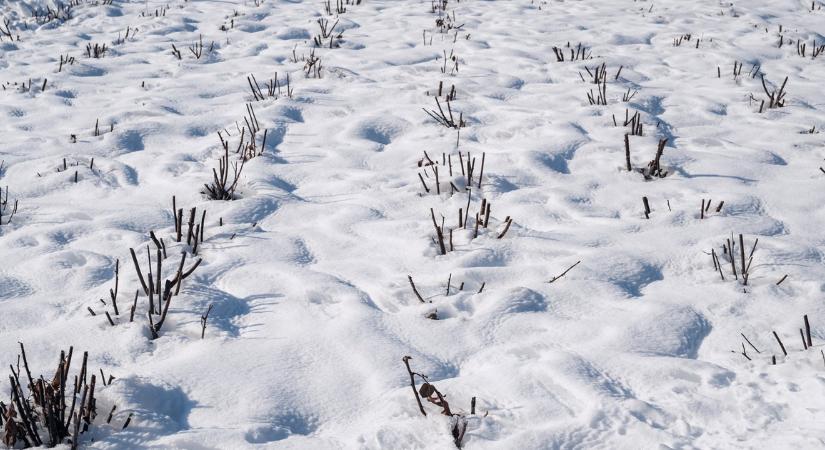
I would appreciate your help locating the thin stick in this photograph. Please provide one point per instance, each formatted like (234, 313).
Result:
(749, 343)
(134, 307)
(406, 360)
(808, 331)
(506, 228)
(469, 196)
(426, 189)
(415, 290)
(565, 272)
(140, 274)
(626, 150)
(438, 233)
(481, 173)
(780, 343)
(179, 277)
(742, 255)
(203, 321)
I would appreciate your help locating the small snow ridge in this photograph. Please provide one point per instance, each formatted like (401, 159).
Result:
(675, 331)
(381, 130)
(293, 33)
(13, 288)
(131, 140)
(631, 275)
(522, 300)
(85, 70)
(514, 301)
(281, 428)
(158, 407)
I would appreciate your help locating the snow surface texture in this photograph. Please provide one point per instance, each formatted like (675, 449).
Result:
(638, 346)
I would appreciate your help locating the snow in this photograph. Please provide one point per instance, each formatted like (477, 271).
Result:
(638, 346)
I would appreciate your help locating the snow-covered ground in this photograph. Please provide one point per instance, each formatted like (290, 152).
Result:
(638, 346)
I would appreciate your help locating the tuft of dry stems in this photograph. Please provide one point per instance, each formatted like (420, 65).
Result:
(776, 98)
(734, 254)
(47, 413)
(446, 119)
(429, 392)
(5, 210)
(222, 187)
(159, 294)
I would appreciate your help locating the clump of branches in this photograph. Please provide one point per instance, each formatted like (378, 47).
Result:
(446, 119)
(5, 30)
(159, 12)
(194, 233)
(96, 51)
(600, 97)
(737, 70)
(467, 167)
(438, 6)
(654, 168)
(97, 131)
(312, 65)
(61, 12)
(634, 122)
(628, 96)
(339, 6)
(159, 294)
(776, 98)
(222, 187)
(4, 205)
(247, 146)
(197, 48)
(816, 49)
(677, 42)
(20, 86)
(77, 163)
(804, 334)
(577, 53)
(327, 32)
(450, 63)
(129, 32)
(446, 23)
(444, 236)
(434, 314)
(431, 394)
(704, 210)
(273, 88)
(45, 413)
(597, 76)
(731, 253)
(65, 60)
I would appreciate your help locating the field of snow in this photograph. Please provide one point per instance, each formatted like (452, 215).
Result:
(646, 343)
